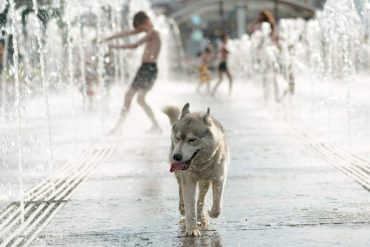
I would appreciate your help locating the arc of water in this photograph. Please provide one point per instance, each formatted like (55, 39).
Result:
(4, 150)
(121, 54)
(82, 55)
(71, 72)
(13, 27)
(100, 53)
(348, 74)
(45, 85)
(4, 86)
(82, 65)
(102, 89)
(328, 37)
(115, 54)
(69, 50)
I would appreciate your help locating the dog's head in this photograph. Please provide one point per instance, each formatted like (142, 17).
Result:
(193, 141)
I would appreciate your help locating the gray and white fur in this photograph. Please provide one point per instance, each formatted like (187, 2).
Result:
(199, 142)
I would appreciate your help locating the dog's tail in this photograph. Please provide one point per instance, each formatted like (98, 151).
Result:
(172, 112)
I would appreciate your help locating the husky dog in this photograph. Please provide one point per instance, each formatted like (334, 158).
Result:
(199, 155)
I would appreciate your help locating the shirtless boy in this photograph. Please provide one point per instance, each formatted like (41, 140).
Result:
(147, 73)
(222, 68)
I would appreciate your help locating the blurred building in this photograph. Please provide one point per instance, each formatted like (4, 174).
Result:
(201, 20)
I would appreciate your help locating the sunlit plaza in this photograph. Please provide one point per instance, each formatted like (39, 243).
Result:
(88, 155)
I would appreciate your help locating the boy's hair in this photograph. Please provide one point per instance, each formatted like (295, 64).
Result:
(266, 16)
(140, 18)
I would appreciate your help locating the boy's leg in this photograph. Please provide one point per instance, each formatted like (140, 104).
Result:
(201, 79)
(218, 83)
(128, 99)
(125, 108)
(230, 81)
(148, 110)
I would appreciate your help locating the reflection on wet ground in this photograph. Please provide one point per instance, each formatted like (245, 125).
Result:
(278, 193)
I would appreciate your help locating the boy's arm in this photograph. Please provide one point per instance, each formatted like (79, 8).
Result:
(134, 45)
(122, 35)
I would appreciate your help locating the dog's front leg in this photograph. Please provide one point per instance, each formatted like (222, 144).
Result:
(203, 189)
(217, 189)
(181, 198)
(188, 193)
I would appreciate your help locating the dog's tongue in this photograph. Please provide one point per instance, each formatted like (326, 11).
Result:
(177, 166)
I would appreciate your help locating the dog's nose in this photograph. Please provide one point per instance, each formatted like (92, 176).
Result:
(177, 157)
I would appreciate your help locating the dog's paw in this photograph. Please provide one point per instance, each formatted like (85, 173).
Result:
(193, 232)
(202, 220)
(214, 212)
(182, 209)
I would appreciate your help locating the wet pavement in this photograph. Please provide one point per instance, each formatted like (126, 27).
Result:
(279, 191)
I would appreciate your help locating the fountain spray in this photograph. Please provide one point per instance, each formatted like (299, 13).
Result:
(4, 85)
(45, 86)
(13, 27)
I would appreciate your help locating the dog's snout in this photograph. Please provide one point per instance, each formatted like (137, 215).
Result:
(177, 157)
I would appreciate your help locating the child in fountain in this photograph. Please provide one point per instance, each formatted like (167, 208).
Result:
(204, 76)
(147, 73)
(222, 68)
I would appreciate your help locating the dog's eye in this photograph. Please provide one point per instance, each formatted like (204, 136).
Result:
(177, 139)
(192, 140)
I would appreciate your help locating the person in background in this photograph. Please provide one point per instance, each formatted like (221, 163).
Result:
(265, 16)
(147, 73)
(222, 68)
(204, 76)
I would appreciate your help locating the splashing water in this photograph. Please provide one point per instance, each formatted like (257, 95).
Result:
(45, 87)
(4, 86)
(14, 26)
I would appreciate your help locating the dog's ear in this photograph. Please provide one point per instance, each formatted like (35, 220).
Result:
(205, 117)
(185, 110)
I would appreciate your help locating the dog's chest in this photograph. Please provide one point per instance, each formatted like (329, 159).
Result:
(208, 172)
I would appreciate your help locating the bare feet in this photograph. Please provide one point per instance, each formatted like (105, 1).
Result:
(114, 131)
(117, 128)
